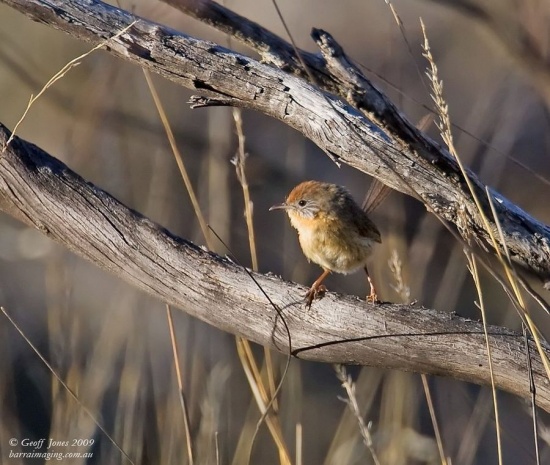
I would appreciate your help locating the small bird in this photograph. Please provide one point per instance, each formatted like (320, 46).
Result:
(334, 231)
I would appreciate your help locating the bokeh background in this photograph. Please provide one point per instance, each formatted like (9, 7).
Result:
(111, 344)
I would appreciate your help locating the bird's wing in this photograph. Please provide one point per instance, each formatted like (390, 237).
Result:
(366, 227)
(375, 195)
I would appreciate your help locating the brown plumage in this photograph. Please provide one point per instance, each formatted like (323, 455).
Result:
(333, 230)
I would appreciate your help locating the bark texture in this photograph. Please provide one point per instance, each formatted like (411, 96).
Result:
(44, 193)
(366, 132)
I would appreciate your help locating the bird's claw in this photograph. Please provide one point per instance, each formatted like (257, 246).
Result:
(315, 293)
(372, 298)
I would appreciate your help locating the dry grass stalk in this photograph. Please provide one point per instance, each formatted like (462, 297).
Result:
(349, 386)
(403, 290)
(65, 386)
(444, 126)
(179, 160)
(260, 394)
(268, 400)
(475, 275)
(60, 74)
(183, 404)
(239, 160)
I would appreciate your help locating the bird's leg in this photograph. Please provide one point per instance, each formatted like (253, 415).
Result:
(316, 288)
(372, 297)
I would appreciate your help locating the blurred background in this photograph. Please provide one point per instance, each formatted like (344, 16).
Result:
(111, 344)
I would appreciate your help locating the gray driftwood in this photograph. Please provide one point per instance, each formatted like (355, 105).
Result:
(45, 194)
(371, 136)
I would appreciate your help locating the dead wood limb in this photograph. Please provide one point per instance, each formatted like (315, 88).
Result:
(45, 194)
(374, 138)
(336, 73)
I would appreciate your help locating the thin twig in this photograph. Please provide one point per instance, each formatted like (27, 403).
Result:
(260, 396)
(403, 32)
(248, 362)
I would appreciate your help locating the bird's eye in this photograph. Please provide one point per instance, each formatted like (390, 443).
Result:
(302, 203)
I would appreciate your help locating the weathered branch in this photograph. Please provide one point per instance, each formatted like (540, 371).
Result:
(45, 194)
(337, 74)
(396, 153)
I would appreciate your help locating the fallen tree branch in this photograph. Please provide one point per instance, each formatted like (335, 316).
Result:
(337, 74)
(45, 194)
(395, 153)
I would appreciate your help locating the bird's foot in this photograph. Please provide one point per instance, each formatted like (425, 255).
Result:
(372, 298)
(315, 292)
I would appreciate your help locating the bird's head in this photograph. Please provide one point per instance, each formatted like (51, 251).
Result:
(312, 200)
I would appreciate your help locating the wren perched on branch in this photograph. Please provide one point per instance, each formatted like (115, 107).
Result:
(334, 231)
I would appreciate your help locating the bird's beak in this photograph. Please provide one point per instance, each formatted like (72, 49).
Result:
(280, 206)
